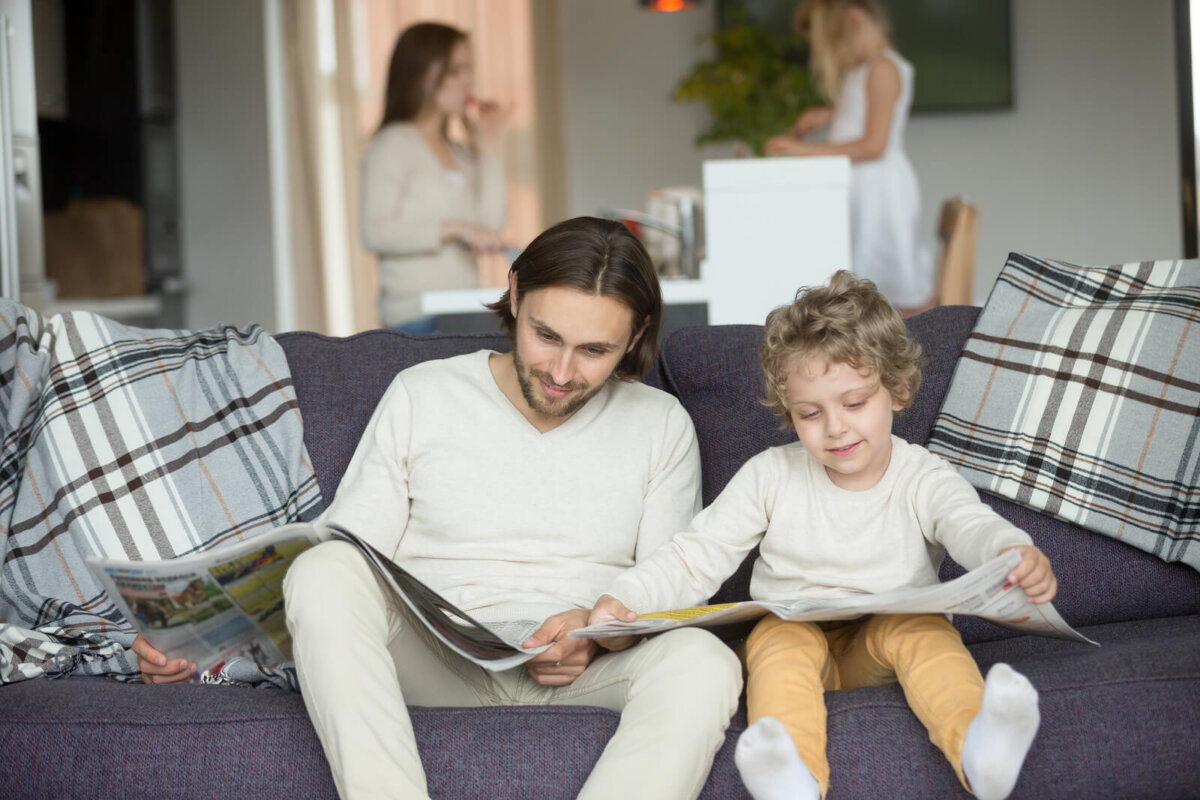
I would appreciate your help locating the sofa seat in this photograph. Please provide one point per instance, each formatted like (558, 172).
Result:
(80, 737)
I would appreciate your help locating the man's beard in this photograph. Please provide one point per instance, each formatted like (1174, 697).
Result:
(562, 407)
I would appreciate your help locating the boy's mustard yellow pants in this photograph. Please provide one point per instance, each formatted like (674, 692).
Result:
(792, 664)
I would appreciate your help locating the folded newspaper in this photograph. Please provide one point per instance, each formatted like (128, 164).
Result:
(213, 606)
(981, 592)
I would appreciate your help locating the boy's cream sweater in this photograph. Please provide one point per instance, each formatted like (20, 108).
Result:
(819, 539)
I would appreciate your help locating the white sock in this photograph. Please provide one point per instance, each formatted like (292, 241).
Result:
(1001, 733)
(770, 767)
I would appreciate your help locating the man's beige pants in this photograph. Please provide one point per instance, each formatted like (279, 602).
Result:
(360, 660)
(792, 664)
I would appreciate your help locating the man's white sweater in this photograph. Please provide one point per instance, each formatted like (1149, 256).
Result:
(508, 523)
(819, 539)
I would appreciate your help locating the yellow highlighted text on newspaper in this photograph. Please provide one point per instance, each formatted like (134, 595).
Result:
(687, 613)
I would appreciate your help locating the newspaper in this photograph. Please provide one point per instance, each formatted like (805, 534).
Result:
(213, 606)
(981, 592)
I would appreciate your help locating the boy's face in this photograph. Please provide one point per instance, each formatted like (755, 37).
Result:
(844, 419)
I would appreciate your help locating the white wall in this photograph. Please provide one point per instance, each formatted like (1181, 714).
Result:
(1083, 168)
(225, 199)
(623, 134)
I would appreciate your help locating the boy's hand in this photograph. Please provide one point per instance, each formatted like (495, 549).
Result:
(1034, 574)
(607, 609)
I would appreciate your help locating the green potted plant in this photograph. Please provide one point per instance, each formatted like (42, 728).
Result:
(754, 88)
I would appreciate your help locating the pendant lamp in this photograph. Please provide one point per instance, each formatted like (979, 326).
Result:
(668, 5)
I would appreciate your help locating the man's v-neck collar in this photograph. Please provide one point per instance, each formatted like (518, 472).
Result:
(581, 417)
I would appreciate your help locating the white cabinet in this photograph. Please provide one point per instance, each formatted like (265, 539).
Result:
(772, 225)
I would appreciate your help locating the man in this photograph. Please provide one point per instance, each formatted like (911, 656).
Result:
(519, 485)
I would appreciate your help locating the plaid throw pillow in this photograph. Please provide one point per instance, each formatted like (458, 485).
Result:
(1077, 395)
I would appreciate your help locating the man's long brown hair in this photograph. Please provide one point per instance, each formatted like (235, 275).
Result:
(598, 256)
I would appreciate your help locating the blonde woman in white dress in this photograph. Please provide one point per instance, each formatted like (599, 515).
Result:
(870, 88)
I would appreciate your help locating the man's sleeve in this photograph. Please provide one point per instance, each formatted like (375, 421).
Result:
(372, 499)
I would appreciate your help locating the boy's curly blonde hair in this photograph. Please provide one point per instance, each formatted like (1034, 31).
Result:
(847, 322)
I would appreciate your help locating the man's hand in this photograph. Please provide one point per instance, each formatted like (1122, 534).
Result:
(566, 660)
(607, 609)
(156, 668)
(1034, 574)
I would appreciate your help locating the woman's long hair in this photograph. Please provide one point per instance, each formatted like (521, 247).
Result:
(826, 26)
(419, 47)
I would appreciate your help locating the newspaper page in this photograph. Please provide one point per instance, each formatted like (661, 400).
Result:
(494, 646)
(213, 606)
(980, 592)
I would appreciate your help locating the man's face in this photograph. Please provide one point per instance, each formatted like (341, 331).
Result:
(567, 345)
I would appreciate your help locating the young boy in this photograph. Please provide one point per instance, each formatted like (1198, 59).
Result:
(848, 509)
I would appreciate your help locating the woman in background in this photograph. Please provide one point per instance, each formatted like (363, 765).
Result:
(431, 204)
(870, 87)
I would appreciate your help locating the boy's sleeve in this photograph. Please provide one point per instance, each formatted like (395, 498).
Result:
(372, 499)
(953, 515)
(688, 569)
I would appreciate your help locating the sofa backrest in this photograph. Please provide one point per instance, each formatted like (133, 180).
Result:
(715, 374)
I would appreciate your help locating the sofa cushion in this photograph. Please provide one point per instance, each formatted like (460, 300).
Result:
(1100, 580)
(198, 740)
(1078, 394)
(941, 333)
(1117, 721)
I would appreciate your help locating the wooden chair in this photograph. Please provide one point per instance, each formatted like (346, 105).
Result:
(957, 232)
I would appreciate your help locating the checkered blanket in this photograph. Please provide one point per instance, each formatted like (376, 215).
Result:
(134, 444)
(1078, 394)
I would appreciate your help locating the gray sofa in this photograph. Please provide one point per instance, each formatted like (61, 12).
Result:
(1119, 721)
